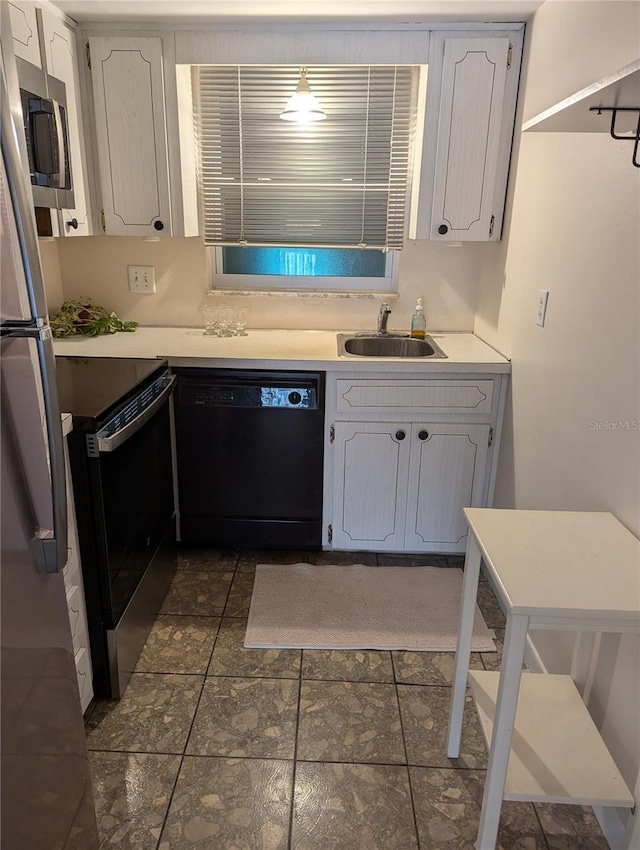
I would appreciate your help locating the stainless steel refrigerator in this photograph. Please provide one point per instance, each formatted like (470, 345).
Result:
(46, 796)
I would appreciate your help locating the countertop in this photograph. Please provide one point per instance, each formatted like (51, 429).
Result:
(278, 349)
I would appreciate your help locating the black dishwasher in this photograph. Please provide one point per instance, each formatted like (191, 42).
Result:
(249, 451)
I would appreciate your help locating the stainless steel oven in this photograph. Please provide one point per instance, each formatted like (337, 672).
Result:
(121, 467)
(44, 114)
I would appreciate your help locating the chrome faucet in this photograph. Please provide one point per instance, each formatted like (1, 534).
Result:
(383, 318)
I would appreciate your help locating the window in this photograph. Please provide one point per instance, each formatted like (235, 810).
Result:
(299, 267)
(317, 205)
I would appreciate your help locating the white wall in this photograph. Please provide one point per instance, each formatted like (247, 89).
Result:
(574, 230)
(575, 43)
(447, 278)
(51, 273)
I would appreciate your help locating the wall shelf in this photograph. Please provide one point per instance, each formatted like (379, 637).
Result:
(573, 115)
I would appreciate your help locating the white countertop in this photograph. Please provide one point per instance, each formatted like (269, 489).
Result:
(275, 349)
(554, 563)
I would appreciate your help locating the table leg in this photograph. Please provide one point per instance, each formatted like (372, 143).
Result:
(463, 646)
(510, 674)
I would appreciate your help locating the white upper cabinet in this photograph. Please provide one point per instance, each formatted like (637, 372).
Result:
(24, 32)
(42, 37)
(471, 101)
(473, 77)
(129, 99)
(59, 43)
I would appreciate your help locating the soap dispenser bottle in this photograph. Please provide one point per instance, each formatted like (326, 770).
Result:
(419, 322)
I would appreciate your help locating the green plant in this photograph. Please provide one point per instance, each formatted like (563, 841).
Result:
(82, 316)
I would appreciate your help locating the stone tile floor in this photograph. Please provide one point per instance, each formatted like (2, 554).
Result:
(219, 747)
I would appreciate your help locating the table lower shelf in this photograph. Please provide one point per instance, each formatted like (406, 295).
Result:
(557, 754)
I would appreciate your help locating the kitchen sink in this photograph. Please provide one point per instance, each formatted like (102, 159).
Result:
(387, 345)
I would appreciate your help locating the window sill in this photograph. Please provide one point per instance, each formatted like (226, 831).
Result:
(300, 293)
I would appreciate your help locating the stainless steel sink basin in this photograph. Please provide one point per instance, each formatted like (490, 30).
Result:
(387, 345)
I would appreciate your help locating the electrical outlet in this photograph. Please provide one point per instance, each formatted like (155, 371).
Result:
(543, 297)
(142, 279)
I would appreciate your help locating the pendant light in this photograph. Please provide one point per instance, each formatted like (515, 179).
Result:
(303, 107)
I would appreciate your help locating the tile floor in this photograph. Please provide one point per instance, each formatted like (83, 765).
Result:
(215, 746)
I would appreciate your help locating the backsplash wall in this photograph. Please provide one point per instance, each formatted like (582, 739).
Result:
(51, 273)
(446, 277)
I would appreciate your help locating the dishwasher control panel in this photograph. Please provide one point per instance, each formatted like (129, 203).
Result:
(220, 395)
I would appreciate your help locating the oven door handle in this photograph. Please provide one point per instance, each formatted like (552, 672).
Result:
(110, 444)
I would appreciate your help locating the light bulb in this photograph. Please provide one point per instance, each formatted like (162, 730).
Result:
(303, 107)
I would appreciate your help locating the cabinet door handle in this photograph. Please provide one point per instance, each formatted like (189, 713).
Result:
(400, 435)
(423, 435)
(443, 229)
(73, 223)
(158, 225)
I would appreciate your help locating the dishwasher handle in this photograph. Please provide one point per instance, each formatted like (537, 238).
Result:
(111, 443)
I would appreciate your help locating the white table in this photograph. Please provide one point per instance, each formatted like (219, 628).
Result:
(557, 570)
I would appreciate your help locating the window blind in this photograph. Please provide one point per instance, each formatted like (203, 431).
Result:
(341, 182)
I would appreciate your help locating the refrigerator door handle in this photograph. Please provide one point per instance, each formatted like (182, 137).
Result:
(54, 545)
(50, 545)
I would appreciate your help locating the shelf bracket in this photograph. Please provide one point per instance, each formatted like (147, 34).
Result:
(614, 110)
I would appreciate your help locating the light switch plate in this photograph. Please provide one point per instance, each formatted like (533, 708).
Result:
(543, 297)
(142, 279)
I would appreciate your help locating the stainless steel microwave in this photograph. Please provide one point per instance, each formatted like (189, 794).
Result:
(44, 112)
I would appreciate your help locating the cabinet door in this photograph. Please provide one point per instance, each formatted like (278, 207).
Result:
(128, 93)
(465, 202)
(60, 52)
(24, 31)
(370, 485)
(76, 603)
(447, 469)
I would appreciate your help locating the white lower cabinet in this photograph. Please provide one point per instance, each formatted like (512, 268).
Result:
(404, 456)
(72, 574)
(370, 485)
(401, 486)
(83, 672)
(446, 474)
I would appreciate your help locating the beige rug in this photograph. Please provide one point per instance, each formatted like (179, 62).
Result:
(302, 606)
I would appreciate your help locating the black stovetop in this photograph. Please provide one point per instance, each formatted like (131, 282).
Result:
(92, 388)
